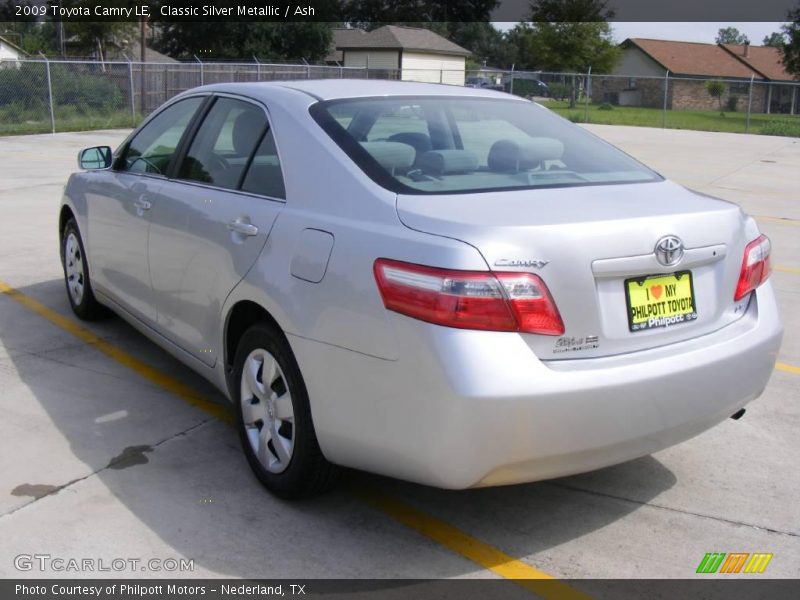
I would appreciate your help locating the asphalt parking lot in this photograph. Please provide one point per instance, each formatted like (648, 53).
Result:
(111, 449)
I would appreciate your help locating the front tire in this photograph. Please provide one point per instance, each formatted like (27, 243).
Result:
(274, 417)
(76, 275)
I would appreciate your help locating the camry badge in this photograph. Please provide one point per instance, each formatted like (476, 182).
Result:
(508, 262)
(669, 250)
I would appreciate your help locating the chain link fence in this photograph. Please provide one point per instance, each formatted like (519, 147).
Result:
(38, 96)
(735, 105)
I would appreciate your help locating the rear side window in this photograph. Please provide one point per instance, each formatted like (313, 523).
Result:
(264, 175)
(446, 145)
(224, 144)
(152, 149)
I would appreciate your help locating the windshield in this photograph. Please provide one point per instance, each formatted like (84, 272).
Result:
(445, 145)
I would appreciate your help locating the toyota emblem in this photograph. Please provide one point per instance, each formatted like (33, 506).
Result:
(669, 250)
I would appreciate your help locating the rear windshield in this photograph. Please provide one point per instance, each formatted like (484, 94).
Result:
(445, 145)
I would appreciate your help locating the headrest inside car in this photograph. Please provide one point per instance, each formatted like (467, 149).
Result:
(445, 162)
(510, 156)
(420, 141)
(391, 156)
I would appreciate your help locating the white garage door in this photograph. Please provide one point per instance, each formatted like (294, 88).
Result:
(434, 68)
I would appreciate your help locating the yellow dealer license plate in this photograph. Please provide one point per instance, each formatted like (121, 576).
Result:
(660, 300)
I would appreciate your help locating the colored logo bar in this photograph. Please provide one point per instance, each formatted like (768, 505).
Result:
(734, 562)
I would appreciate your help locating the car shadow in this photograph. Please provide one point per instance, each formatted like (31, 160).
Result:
(181, 475)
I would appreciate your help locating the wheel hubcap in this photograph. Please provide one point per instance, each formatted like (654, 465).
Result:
(267, 410)
(74, 268)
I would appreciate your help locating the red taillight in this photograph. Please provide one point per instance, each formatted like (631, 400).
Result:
(755, 266)
(468, 299)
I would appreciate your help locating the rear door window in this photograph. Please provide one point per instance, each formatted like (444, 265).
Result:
(224, 144)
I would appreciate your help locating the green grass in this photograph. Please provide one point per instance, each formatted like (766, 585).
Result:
(18, 121)
(681, 119)
(15, 120)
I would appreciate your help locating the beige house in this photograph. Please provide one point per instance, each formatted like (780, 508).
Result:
(397, 52)
(645, 63)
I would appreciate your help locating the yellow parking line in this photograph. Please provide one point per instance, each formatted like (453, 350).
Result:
(787, 368)
(149, 373)
(786, 269)
(440, 532)
(484, 555)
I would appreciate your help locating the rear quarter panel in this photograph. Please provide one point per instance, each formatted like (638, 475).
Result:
(327, 192)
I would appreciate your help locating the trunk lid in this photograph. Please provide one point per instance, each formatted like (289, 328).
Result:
(585, 242)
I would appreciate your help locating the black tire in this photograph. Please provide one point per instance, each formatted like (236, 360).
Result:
(86, 306)
(307, 472)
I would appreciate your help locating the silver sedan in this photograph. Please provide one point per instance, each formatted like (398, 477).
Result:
(450, 286)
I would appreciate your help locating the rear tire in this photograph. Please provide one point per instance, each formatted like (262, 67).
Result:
(76, 275)
(273, 417)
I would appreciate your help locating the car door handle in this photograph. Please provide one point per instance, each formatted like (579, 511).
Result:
(243, 228)
(141, 204)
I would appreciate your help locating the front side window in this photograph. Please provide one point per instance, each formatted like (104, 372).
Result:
(152, 149)
(224, 144)
(430, 145)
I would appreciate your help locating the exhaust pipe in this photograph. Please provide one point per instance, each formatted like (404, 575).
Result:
(738, 414)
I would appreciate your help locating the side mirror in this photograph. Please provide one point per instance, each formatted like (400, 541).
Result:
(98, 157)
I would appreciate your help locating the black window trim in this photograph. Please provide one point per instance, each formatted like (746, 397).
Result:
(364, 160)
(252, 157)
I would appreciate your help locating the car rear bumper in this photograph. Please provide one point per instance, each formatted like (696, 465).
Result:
(468, 408)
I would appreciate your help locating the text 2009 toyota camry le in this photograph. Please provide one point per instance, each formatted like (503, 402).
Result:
(450, 286)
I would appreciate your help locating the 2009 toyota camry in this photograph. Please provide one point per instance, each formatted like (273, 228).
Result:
(450, 286)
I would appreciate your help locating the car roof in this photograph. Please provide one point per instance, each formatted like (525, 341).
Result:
(335, 89)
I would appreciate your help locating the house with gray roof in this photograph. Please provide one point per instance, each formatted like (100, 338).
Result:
(399, 52)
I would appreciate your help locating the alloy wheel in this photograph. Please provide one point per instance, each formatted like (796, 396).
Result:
(267, 410)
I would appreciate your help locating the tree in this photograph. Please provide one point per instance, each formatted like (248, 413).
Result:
(370, 14)
(774, 39)
(791, 49)
(571, 11)
(566, 35)
(564, 47)
(32, 36)
(242, 40)
(286, 41)
(487, 44)
(8, 13)
(716, 89)
(464, 23)
(731, 35)
(41, 38)
(96, 37)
